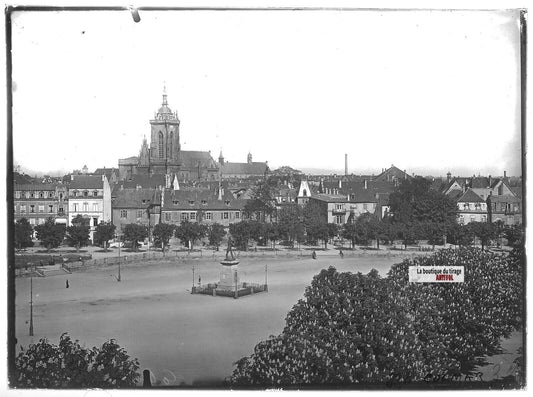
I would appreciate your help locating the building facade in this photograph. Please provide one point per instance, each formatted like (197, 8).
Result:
(38, 202)
(90, 197)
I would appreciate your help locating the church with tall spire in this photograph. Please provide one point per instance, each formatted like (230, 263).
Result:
(163, 155)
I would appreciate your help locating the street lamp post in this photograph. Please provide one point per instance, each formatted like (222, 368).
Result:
(119, 243)
(31, 302)
(266, 280)
(192, 290)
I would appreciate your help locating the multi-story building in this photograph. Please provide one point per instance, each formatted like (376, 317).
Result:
(250, 169)
(90, 197)
(471, 208)
(37, 202)
(138, 205)
(199, 205)
(505, 208)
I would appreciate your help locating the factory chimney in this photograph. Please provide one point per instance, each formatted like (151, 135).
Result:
(346, 164)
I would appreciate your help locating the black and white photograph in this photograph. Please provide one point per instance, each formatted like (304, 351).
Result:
(311, 198)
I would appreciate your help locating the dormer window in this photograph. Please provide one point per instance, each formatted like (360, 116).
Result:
(204, 202)
(41, 194)
(227, 202)
(175, 202)
(191, 202)
(85, 193)
(95, 193)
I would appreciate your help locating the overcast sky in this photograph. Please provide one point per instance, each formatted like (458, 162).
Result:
(427, 91)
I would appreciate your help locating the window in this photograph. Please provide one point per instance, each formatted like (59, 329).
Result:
(123, 213)
(161, 145)
(184, 216)
(41, 208)
(85, 193)
(50, 208)
(32, 221)
(32, 195)
(75, 193)
(140, 213)
(22, 209)
(95, 193)
(22, 194)
(338, 219)
(60, 196)
(175, 202)
(17, 194)
(167, 216)
(338, 206)
(226, 202)
(237, 215)
(472, 219)
(365, 206)
(483, 218)
(60, 210)
(41, 195)
(193, 216)
(208, 216)
(226, 215)
(95, 207)
(85, 207)
(51, 195)
(75, 207)
(191, 202)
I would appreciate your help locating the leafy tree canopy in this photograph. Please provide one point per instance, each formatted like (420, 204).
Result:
(23, 233)
(50, 233)
(162, 234)
(134, 233)
(70, 365)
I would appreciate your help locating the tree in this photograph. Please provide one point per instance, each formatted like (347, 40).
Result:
(333, 230)
(23, 233)
(262, 203)
(353, 328)
(215, 234)
(290, 220)
(273, 233)
(349, 232)
(240, 232)
(50, 233)
(315, 222)
(414, 201)
(484, 231)
(434, 232)
(133, 232)
(460, 235)
(162, 233)
(514, 235)
(190, 232)
(70, 365)
(104, 232)
(78, 233)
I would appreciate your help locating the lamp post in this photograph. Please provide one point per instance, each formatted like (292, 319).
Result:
(193, 289)
(119, 243)
(266, 280)
(31, 301)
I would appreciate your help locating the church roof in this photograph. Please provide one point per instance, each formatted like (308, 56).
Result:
(253, 168)
(35, 186)
(191, 158)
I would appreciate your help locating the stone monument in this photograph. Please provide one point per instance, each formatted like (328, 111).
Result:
(229, 273)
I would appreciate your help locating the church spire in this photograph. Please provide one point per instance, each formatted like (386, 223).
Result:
(165, 103)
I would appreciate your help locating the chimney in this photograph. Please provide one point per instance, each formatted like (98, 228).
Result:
(405, 174)
(505, 175)
(340, 183)
(490, 181)
(448, 176)
(346, 164)
(366, 184)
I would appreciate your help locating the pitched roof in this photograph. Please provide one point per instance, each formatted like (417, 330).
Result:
(392, 172)
(86, 182)
(191, 158)
(479, 182)
(253, 168)
(136, 198)
(176, 200)
(517, 191)
(144, 181)
(329, 198)
(504, 199)
(470, 197)
(36, 186)
(106, 171)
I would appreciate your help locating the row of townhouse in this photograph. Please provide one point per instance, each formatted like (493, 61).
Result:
(485, 199)
(85, 195)
(149, 206)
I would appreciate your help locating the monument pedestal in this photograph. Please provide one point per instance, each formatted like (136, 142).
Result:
(229, 275)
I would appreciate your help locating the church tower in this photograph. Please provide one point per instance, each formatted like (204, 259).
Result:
(165, 135)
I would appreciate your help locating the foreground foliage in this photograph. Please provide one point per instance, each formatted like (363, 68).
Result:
(69, 365)
(352, 328)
